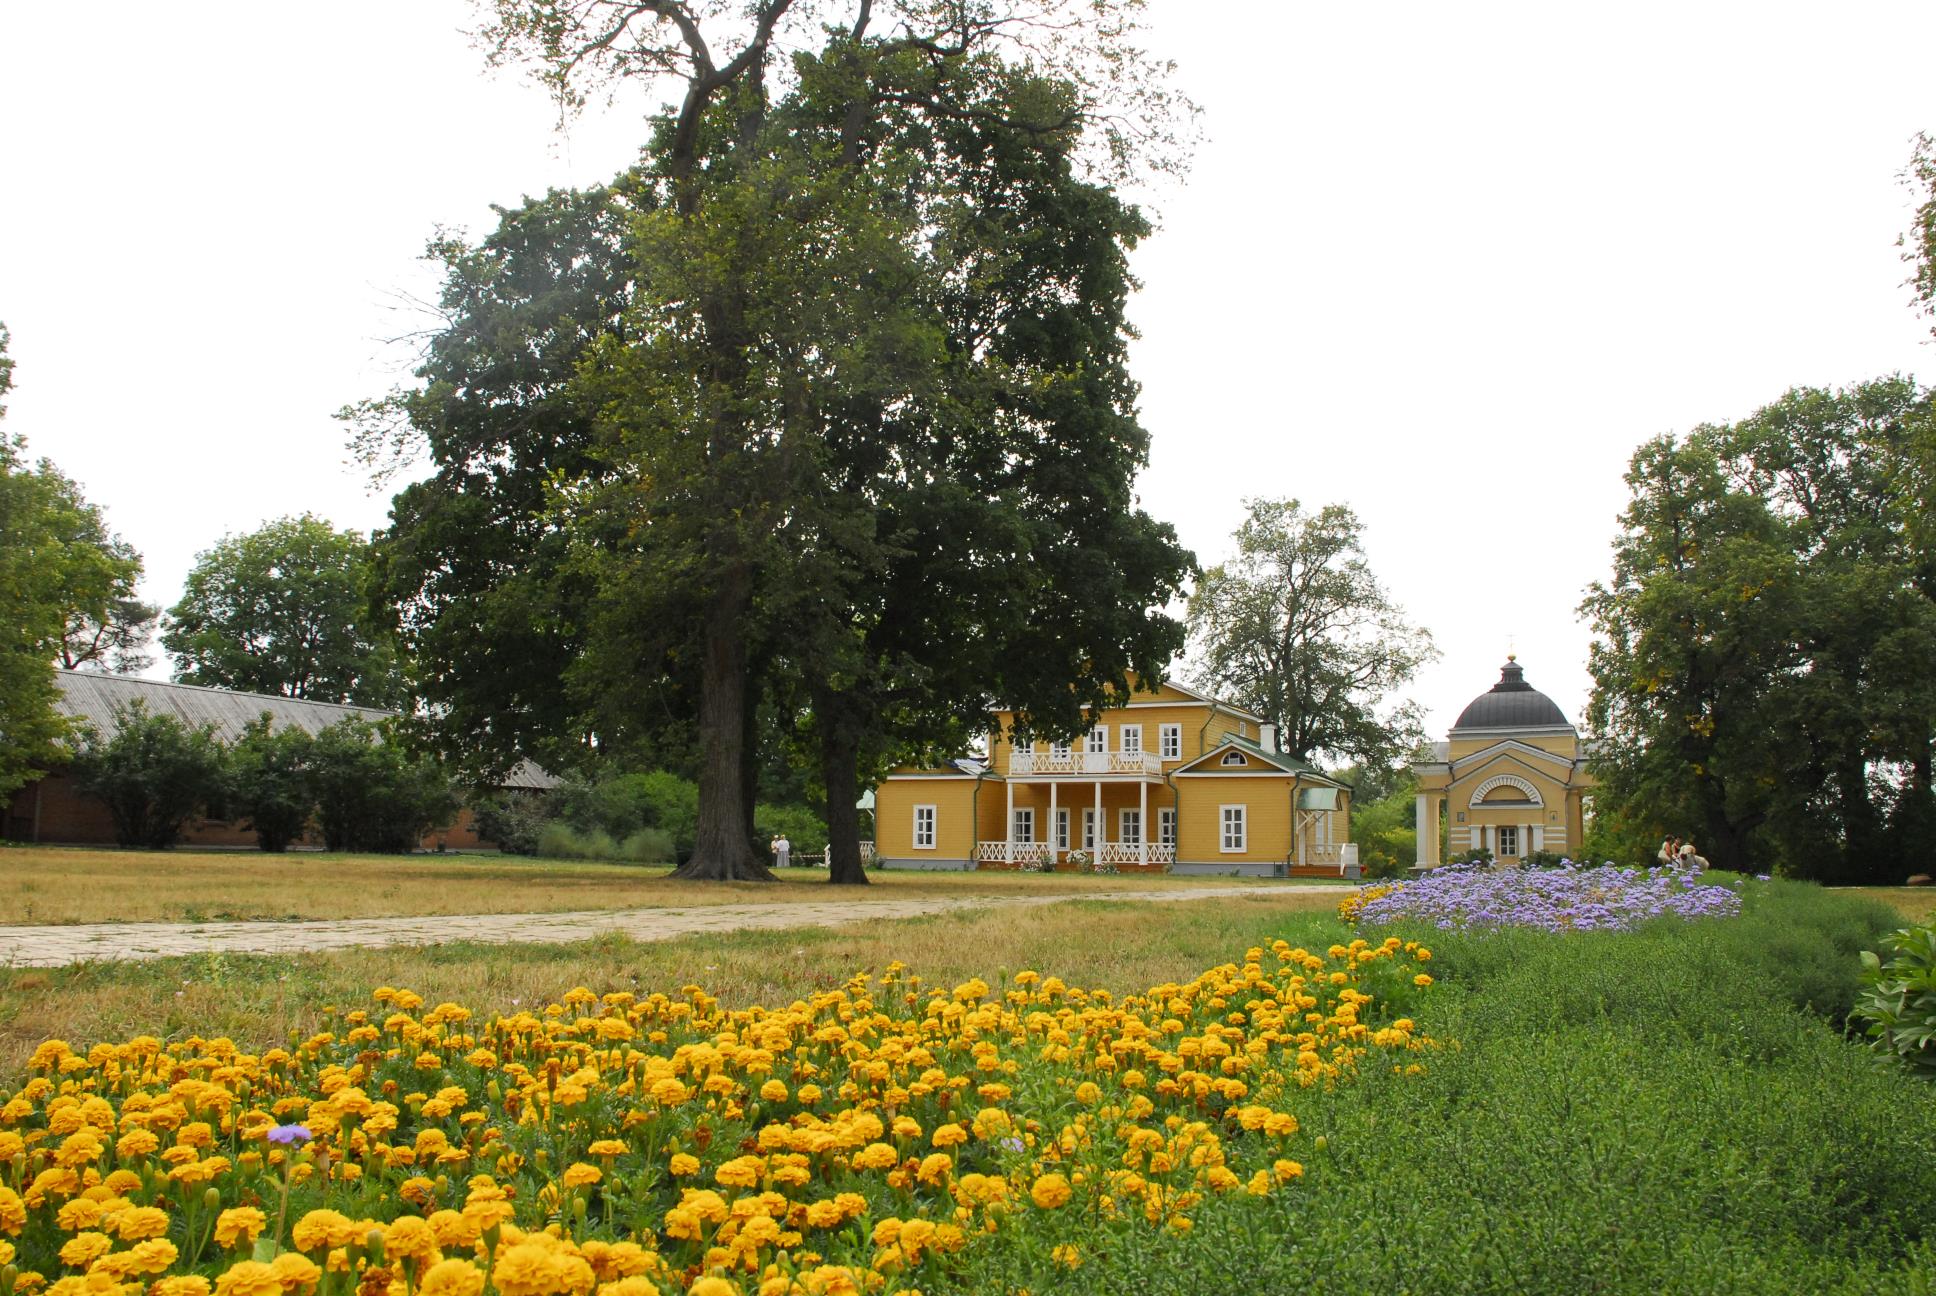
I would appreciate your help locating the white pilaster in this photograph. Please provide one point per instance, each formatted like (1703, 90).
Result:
(1142, 819)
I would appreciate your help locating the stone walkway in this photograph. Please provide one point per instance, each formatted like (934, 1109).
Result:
(57, 946)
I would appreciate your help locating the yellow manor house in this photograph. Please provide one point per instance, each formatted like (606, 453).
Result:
(1170, 780)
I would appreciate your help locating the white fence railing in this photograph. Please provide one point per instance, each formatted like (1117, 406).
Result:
(1340, 856)
(1038, 854)
(1084, 762)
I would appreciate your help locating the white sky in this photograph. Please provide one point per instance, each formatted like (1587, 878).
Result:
(1447, 264)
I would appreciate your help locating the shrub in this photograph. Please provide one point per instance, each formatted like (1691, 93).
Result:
(802, 827)
(648, 846)
(513, 820)
(1897, 1006)
(271, 783)
(619, 805)
(371, 795)
(154, 774)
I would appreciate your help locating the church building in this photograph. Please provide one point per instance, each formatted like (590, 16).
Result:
(1510, 780)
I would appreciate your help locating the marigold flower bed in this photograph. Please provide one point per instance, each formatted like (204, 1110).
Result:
(866, 1139)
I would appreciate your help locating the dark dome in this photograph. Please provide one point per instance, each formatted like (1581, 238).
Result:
(1512, 704)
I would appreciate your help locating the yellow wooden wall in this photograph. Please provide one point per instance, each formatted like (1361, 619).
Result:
(1268, 819)
(954, 818)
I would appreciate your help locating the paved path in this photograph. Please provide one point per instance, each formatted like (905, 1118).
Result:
(57, 946)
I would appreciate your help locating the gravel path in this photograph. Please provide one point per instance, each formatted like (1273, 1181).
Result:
(57, 946)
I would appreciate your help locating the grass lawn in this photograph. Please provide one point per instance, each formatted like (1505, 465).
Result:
(41, 885)
(258, 1000)
(1914, 903)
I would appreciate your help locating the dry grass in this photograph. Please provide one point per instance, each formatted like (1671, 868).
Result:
(259, 999)
(50, 885)
(1914, 903)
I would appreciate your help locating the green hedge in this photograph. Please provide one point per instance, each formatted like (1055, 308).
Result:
(1670, 1109)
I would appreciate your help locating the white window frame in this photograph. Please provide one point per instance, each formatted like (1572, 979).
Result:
(1023, 815)
(1129, 826)
(1166, 826)
(1129, 738)
(1170, 740)
(1508, 838)
(1229, 818)
(1088, 828)
(929, 813)
(1099, 739)
(1059, 750)
(1062, 828)
(1233, 757)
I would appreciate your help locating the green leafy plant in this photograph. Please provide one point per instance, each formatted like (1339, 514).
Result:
(154, 775)
(1897, 1003)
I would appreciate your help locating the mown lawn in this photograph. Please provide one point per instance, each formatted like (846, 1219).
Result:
(41, 885)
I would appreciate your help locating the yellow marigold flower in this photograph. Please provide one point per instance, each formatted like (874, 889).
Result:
(83, 1249)
(1421, 980)
(142, 1223)
(950, 1135)
(1067, 1254)
(452, 1278)
(607, 1148)
(410, 1237)
(1050, 1191)
(582, 1175)
(295, 1271)
(453, 1231)
(1286, 1170)
(248, 1278)
(773, 1091)
(684, 1164)
(13, 1212)
(182, 1285)
(934, 1167)
(527, 1269)
(876, 1156)
(153, 1256)
(320, 1230)
(239, 1226)
(710, 1286)
(631, 1286)
(136, 1143)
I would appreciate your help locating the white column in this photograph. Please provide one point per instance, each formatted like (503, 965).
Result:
(1539, 837)
(1008, 833)
(1418, 838)
(1052, 824)
(1102, 829)
(1142, 818)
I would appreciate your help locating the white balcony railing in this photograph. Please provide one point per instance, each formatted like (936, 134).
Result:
(1084, 763)
(1038, 854)
(1017, 853)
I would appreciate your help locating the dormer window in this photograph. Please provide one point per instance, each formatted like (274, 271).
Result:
(1232, 758)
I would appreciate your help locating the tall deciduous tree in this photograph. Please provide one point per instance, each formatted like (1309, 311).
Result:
(1297, 628)
(67, 596)
(782, 334)
(285, 610)
(1761, 677)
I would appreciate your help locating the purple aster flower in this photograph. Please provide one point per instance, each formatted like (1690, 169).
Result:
(290, 1134)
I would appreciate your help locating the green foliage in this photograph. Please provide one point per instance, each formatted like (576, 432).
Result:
(1897, 1008)
(622, 804)
(371, 794)
(284, 610)
(805, 831)
(271, 782)
(154, 774)
(1386, 833)
(1298, 629)
(514, 819)
(66, 594)
(643, 846)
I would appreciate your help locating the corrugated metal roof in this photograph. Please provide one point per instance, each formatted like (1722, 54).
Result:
(97, 699)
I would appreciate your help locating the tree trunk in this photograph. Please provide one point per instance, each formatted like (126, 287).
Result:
(721, 851)
(840, 771)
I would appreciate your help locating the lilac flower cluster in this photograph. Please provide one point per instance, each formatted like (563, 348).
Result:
(1567, 898)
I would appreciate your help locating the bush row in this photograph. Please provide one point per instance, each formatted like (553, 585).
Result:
(646, 818)
(363, 793)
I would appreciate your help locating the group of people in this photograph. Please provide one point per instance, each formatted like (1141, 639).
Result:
(782, 851)
(1675, 851)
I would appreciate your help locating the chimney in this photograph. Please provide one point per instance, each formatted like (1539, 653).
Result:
(1267, 737)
